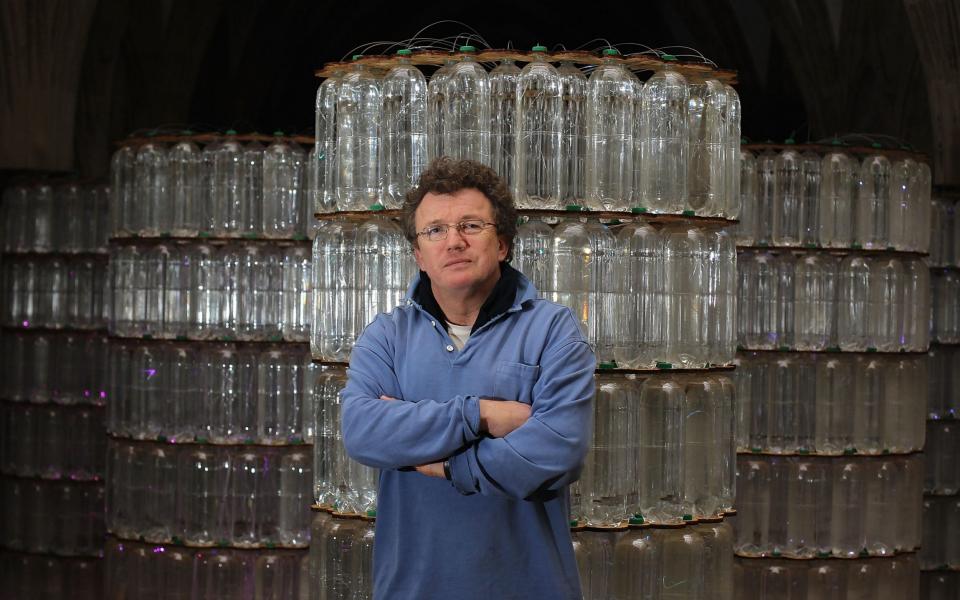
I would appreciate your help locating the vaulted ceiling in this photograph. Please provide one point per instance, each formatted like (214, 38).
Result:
(76, 74)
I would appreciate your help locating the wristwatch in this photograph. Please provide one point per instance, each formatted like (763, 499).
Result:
(446, 470)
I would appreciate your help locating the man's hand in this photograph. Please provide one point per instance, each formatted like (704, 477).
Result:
(432, 470)
(500, 417)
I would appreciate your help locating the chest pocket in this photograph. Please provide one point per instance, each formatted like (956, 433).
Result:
(514, 381)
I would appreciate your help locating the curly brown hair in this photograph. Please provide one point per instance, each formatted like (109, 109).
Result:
(446, 175)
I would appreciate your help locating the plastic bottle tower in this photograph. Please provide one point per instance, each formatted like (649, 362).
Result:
(53, 389)
(209, 457)
(653, 285)
(940, 552)
(834, 299)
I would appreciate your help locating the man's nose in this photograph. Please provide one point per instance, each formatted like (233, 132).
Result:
(455, 238)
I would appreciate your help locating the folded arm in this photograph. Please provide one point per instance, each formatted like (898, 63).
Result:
(546, 452)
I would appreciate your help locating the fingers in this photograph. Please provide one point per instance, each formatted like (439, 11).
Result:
(387, 398)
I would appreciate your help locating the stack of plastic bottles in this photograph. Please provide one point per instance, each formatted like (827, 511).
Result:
(53, 389)
(834, 196)
(832, 374)
(209, 460)
(940, 554)
(626, 190)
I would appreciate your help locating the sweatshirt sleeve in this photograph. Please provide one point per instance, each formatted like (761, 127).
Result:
(547, 452)
(390, 434)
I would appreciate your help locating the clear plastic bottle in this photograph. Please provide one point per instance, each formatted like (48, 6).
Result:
(67, 231)
(767, 197)
(916, 300)
(732, 177)
(882, 491)
(846, 516)
(540, 119)
(808, 492)
(814, 291)
(853, 299)
(833, 413)
(610, 108)
(904, 176)
(248, 220)
(297, 294)
(206, 283)
(183, 164)
(596, 567)
(869, 391)
(918, 230)
(436, 100)
(324, 167)
(753, 506)
(280, 387)
(873, 202)
(945, 310)
(661, 456)
(259, 285)
(208, 189)
(532, 248)
(708, 129)
(152, 198)
(684, 283)
(682, 563)
(638, 273)
(573, 152)
(809, 208)
(748, 201)
(608, 484)
(637, 563)
(404, 130)
(665, 140)
(720, 291)
(282, 211)
(787, 198)
(583, 256)
(177, 277)
(466, 109)
(358, 138)
(839, 176)
(885, 312)
(504, 125)
(227, 186)
(717, 538)
(295, 498)
(122, 187)
(702, 466)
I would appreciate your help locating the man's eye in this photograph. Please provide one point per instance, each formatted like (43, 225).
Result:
(471, 226)
(435, 230)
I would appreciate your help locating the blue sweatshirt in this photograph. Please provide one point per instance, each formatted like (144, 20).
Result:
(500, 528)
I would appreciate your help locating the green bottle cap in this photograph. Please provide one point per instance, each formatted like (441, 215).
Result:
(357, 56)
(539, 48)
(404, 52)
(372, 513)
(278, 133)
(668, 57)
(636, 520)
(231, 132)
(467, 49)
(611, 52)
(573, 208)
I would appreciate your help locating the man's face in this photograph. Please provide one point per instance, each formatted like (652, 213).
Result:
(459, 262)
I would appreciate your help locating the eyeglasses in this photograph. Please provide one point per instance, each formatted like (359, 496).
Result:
(438, 231)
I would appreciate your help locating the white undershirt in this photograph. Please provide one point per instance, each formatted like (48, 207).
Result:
(459, 334)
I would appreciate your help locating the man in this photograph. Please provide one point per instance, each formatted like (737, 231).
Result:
(484, 388)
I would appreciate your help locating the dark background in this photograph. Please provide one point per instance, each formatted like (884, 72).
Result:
(79, 74)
